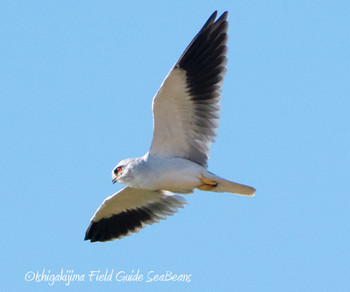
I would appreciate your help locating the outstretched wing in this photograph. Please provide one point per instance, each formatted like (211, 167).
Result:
(129, 210)
(186, 107)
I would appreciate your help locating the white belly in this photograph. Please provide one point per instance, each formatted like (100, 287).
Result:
(172, 174)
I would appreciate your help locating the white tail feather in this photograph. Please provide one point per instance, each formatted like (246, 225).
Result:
(226, 186)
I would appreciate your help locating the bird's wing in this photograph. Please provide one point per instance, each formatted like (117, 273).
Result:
(186, 108)
(129, 210)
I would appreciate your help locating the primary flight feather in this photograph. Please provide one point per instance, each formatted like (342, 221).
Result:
(186, 110)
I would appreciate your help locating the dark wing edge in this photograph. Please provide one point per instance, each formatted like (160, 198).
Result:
(133, 220)
(204, 61)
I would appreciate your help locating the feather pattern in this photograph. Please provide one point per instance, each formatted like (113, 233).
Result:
(186, 109)
(130, 210)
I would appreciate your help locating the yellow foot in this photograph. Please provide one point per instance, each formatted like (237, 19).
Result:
(207, 184)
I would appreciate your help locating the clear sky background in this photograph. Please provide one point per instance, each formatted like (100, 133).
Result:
(76, 86)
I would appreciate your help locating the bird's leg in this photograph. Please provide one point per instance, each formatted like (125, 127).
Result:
(207, 184)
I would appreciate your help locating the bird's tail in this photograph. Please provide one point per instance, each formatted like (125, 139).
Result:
(211, 182)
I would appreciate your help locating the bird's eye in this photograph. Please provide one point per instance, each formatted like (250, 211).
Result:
(118, 170)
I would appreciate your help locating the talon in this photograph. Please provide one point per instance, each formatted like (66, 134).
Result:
(207, 184)
(208, 181)
(206, 187)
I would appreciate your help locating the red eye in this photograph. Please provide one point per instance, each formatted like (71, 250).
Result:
(118, 170)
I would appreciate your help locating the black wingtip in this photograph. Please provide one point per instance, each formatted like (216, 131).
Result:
(87, 233)
(117, 226)
(222, 17)
(212, 18)
(132, 220)
(205, 38)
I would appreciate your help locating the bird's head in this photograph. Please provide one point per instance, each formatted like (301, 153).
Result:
(122, 172)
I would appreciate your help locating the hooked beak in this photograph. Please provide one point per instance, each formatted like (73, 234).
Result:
(114, 179)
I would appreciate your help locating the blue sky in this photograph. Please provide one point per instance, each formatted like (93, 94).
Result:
(77, 81)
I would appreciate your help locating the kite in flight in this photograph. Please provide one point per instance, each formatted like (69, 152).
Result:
(186, 111)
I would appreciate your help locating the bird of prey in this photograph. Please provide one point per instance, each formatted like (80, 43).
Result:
(186, 111)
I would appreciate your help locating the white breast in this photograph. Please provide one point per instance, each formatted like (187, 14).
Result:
(172, 174)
